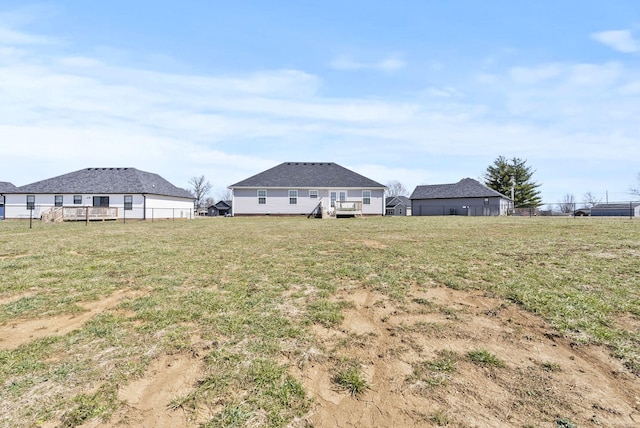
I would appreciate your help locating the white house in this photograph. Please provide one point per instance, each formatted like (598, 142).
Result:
(4, 188)
(100, 193)
(304, 188)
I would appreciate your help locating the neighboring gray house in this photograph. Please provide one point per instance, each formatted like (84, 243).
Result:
(4, 188)
(104, 192)
(398, 205)
(221, 208)
(625, 209)
(467, 197)
(303, 188)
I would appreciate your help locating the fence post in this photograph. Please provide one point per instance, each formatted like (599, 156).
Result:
(86, 214)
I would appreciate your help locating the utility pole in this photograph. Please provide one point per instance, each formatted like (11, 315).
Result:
(513, 190)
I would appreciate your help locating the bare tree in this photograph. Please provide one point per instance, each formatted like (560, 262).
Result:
(199, 188)
(635, 190)
(589, 200)
(395, 188)
(224, 195)
(568, 203)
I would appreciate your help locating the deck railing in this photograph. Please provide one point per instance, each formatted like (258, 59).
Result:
(353, 208)
(58, 214)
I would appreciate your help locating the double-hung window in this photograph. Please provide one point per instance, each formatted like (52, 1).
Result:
(313, 194)
(77, 199)
(262, 197)
(58, 200)
(293, 197)
(366, 197)
(31, 202)
(128, 202)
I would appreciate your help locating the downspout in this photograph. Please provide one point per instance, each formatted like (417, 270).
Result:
(144, 206)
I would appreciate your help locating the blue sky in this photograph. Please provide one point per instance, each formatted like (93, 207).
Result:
(423, 92)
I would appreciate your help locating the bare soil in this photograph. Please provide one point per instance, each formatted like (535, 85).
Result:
(547, 380)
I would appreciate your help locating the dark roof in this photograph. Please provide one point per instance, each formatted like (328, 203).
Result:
(465, 188)
(393, 201)
(223, 204)
(106, 180)
(308, 175)
(616, 206)
(5, 186)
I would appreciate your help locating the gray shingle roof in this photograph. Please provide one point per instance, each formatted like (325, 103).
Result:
(5, 187)
(465, 188)
(308, 175)
(106, 181)
(393, 201)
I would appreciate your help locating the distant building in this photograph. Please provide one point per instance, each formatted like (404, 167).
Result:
(398, 206)
(626, 209)
(4, 187)
(468, 197)
(308, 188)
(127, 192)
(221, 208)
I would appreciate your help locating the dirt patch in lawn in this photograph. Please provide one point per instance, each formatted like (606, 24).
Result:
(19, 332)
(147, 401)
(417, 359)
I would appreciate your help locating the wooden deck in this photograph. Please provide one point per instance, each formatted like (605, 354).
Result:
(59, 214)
(348, 208)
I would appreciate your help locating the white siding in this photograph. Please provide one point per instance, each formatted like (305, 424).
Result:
(156, 206)
(168, 207)
(245, 201)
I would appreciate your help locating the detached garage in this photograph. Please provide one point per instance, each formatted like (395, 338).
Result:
(467, 197)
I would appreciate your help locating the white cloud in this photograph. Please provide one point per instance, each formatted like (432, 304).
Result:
(9, 36)
(81, 111)
(388, 64)
(595, 74)
(620, 40)
(535, 74)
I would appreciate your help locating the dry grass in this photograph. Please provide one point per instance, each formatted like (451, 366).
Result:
(251, 288)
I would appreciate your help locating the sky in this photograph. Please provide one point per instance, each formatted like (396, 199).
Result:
(420, 92)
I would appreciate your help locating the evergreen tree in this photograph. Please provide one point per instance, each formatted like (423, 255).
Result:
(501, 175)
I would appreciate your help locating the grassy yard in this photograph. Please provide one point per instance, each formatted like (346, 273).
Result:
(251, 288)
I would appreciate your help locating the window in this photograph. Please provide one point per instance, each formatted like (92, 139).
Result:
(128, 202)
(313, 194)
(366, 197)
(77, 199)
(262, 197)
(343, 196)
(58, 200)
(100, 201)
(333, 198)
(31, 202)
(486, 201)
(293, 197)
